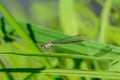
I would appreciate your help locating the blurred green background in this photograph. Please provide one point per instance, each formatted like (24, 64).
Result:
(70, 17)
(99, 20)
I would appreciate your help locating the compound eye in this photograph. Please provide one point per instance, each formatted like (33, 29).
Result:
(42, 46)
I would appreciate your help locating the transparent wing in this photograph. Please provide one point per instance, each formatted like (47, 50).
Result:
(71, 39)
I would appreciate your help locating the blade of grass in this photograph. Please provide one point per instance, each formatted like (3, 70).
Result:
(62, 55)
(93, 74)
(23, 34)
(68, 19)
(102, 29)
(18, 28)
(104, 20)
(87, 47)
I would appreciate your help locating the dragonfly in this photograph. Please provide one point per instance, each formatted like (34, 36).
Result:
(71, 39)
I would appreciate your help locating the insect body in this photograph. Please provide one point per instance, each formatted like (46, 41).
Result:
(71, 39)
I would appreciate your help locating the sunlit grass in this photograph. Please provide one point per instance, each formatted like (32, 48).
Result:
(21, 56)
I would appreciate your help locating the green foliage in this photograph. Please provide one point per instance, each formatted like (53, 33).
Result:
(22, 58)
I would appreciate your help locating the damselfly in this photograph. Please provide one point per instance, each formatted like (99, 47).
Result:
(71, 39)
